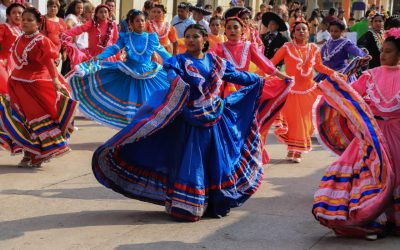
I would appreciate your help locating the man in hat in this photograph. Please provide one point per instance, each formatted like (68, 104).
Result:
(273, 39)
(182, 20)
(198, 13)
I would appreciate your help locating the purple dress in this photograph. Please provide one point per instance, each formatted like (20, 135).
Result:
(336, 54)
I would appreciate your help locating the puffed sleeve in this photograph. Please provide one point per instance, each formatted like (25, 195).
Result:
(319, 66)
(238, 77)
(47, 55)
(353, 50)
(2, 33)
(158, 47)
(360, 85)
(115, 33)
(172, 66)
(79, 29)
(172, 36)
(279, 55)
(261, 61)
(113, 49)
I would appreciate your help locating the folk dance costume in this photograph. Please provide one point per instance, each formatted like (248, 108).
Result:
(8, 34)
(214, 40)
(101, 34)
(241, 54)
(36, 118)
(360, 192)
(166, 33)
(336, 54)
(112, 92)
(208, 148)
(53, 30)
(372, 42)
(295, 120)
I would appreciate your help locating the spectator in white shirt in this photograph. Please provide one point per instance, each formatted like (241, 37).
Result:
(3, 7)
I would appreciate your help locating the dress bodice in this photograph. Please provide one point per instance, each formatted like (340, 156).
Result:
(8, 35)
(381, 89)
(336, 53)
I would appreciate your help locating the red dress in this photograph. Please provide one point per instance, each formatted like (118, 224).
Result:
(53, 31)
(36, 118)
(8, 34)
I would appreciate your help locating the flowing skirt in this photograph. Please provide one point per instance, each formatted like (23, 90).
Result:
(206, 159)
(111, 93)
(36, 119)
(359, 192)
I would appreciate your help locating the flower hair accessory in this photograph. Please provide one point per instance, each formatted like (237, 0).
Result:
(393, 32)
(298, 21)
(375, 13)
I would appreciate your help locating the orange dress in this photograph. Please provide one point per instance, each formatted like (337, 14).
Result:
(296, 116)
(165, 31)
(215, 39)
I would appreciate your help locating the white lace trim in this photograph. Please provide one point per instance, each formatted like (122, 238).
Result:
(328, 55)
(145, 46)
(243, 58)
(300, 62)
(22, 61)
(371, 85)
(29, 80)
(303, 92)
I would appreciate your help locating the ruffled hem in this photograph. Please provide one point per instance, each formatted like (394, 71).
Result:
(111, 93)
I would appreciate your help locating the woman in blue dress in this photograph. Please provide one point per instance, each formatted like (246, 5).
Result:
(337, 51)
(188, 149)
(112, 92)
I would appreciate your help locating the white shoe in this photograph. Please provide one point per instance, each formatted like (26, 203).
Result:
(371, 237)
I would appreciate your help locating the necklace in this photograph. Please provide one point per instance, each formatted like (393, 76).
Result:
(378, 39)
(145, 46)
(31, 35)
(162, 31)
(243, 58)
(328, 54)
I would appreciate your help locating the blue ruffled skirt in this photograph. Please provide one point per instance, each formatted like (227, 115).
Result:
(111, 92)
(188, 159)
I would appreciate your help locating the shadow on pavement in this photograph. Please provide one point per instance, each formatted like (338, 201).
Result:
(89, 193)
(16, 228)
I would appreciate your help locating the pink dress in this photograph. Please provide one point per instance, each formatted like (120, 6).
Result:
(98, 39)
(241, 54)
(275, 90)
(363, 185)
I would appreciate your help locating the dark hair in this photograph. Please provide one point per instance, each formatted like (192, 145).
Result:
(148, 5)
(203, 32)
(160, 6)
(234, 18)
(338, 24)
(109, 1)
(207, 6)
(219, 9)
(297, 23)
(132, 14)
(53, 2)
(35, 12)
(392, 22)
(72, 6)
(396, 42)
(212, 19)
(101, 6)
(332, 11)
(314, 14)
(12, 6)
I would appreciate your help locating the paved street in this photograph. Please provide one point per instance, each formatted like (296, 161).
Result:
(62, 206)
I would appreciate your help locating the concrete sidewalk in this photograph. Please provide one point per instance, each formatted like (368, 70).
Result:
(61, 206)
